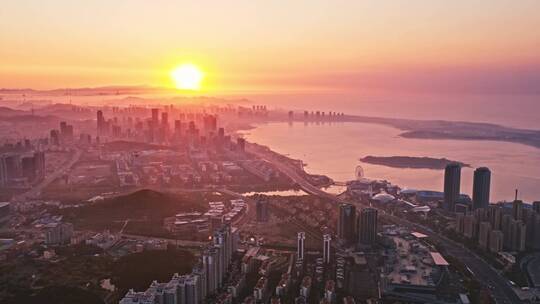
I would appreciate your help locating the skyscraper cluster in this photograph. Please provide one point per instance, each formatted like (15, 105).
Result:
(357, 227)
(497, 228)
(452, 186)
(26, 165)
(157, 128)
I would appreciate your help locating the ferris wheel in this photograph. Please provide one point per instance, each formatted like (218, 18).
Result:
(359, 172)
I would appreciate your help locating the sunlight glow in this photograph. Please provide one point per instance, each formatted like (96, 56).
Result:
(187, 77)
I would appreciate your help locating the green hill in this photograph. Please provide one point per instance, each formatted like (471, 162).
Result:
(143, 205)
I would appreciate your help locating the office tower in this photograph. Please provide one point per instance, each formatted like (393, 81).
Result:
(66, 131)
(262, 210)
(536, 206)
(452, 180)
(327, 239)
(39, 158)
(347, 223)
(301, 239)
(177, 129)
(55, 137)
(483, 235)
(367, 226)
(481, 187)
(165, 120)
(517, 210)
(210, 123)
(241, 143)
(291, 115)
(155, 117)
(496, 239)
(100, 123)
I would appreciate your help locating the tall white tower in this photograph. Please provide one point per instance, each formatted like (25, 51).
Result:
(300, 246)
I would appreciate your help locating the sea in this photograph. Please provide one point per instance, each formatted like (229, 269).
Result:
(334, 149)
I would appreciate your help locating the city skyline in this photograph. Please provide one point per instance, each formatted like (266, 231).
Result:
(248, 152)
(479, 46)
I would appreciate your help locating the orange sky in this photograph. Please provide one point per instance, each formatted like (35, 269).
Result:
(272, 45)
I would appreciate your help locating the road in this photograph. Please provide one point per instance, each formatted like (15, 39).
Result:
(501, 290)
(36, 190)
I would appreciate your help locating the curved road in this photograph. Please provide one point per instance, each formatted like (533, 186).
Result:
(501, 290)
(35, 190)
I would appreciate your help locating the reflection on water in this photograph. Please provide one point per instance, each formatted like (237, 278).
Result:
(330, 189)
(281, 193)
(334, 150)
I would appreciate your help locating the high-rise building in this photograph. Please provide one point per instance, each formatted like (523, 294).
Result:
(165, 120)
(496, 239)
(301, 239)
(536, 206)
(517, 210)
(241, 143)
(367, 226)
(155, 117)
(347, 223)
(505, 228)
(452, 181)
(3, 171)
(495, 214)
(210, 260)
(55, 137)
(177, 129)
(58, 233)
(327, 239)
(469, 226)
(518, 231)
(100, 123)
(192, 289)
(483, 235)
(481, 187)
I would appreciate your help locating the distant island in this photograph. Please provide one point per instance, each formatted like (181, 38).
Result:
(410, 162)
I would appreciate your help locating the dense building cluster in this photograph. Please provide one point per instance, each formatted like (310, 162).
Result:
(206, 278)
(498, 227)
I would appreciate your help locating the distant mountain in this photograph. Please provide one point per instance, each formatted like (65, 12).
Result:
(106, 90)
(5, 111)
(28, 118)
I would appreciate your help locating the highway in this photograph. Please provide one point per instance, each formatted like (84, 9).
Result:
(500, 288)
(35, 190)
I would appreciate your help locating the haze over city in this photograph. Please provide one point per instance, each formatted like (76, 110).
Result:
(188, 152)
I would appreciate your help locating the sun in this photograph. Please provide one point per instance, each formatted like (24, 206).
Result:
(187, 77)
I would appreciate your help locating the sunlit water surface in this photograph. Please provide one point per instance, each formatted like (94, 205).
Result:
(334, 150)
